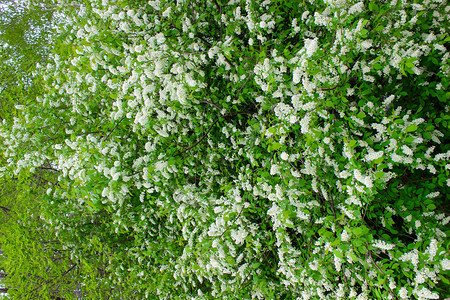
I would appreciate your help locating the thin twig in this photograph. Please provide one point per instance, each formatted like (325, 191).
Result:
(210, 103)
(204, 135)
(235, 219)
(66, 272)
(106, 137)
(379, 269)
(239, 92)
(425, 70)
(219, 7)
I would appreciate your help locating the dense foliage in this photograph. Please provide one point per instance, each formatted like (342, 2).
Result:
(242, 149)
(25, 33)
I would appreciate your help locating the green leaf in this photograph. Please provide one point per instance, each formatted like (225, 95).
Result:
(361, 115)
(338, 254)
(357, 231)
(276, 146)
(241, 70)
(289, 225)
(373, 6)
(411, 128)
(378, 160)
(402, 69)
(353, 256)
(379, 174)
(377, 66)
(444, 279)
(409, 139)
(335, 242)
(409, 65)
(352, 143)
(364, 32)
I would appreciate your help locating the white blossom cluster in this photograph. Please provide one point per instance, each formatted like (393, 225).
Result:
(241, 163)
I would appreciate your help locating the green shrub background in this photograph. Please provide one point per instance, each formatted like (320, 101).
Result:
(234, 150)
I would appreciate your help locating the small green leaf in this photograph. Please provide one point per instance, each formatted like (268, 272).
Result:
(409, 65)
(353, 256)
(373, 6)
(335, 242)
(402, 69)
(409, 139)
(338, 254)
(357, 231)
(378, 160)
(377, 66)
(379, 174)
(411, 128)
(276, 146)
(361, 115)
(364, 32)
(351, 143)
(444, 279)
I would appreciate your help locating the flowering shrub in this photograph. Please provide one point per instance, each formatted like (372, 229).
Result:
(253, 149)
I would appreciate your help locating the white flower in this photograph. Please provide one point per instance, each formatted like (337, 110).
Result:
(383, 245)
(337, 263)
(403, 293)
(167, 12)
(388, 100)
(304, 123)
(296, 76)
(357, 8)
(366, 44)
(417, 6)
(284, 156)
(239, 235)
(311, 47)
(373, 156)
(344, 236)
(417, 223)
(432, 169)
(336, 3)
(445, 263)
(432, 195)
(412, 256)
(426, 293)
(407, 150)
(160, 39)
(275, 169)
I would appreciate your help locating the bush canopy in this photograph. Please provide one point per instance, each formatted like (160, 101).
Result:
(237, 149)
